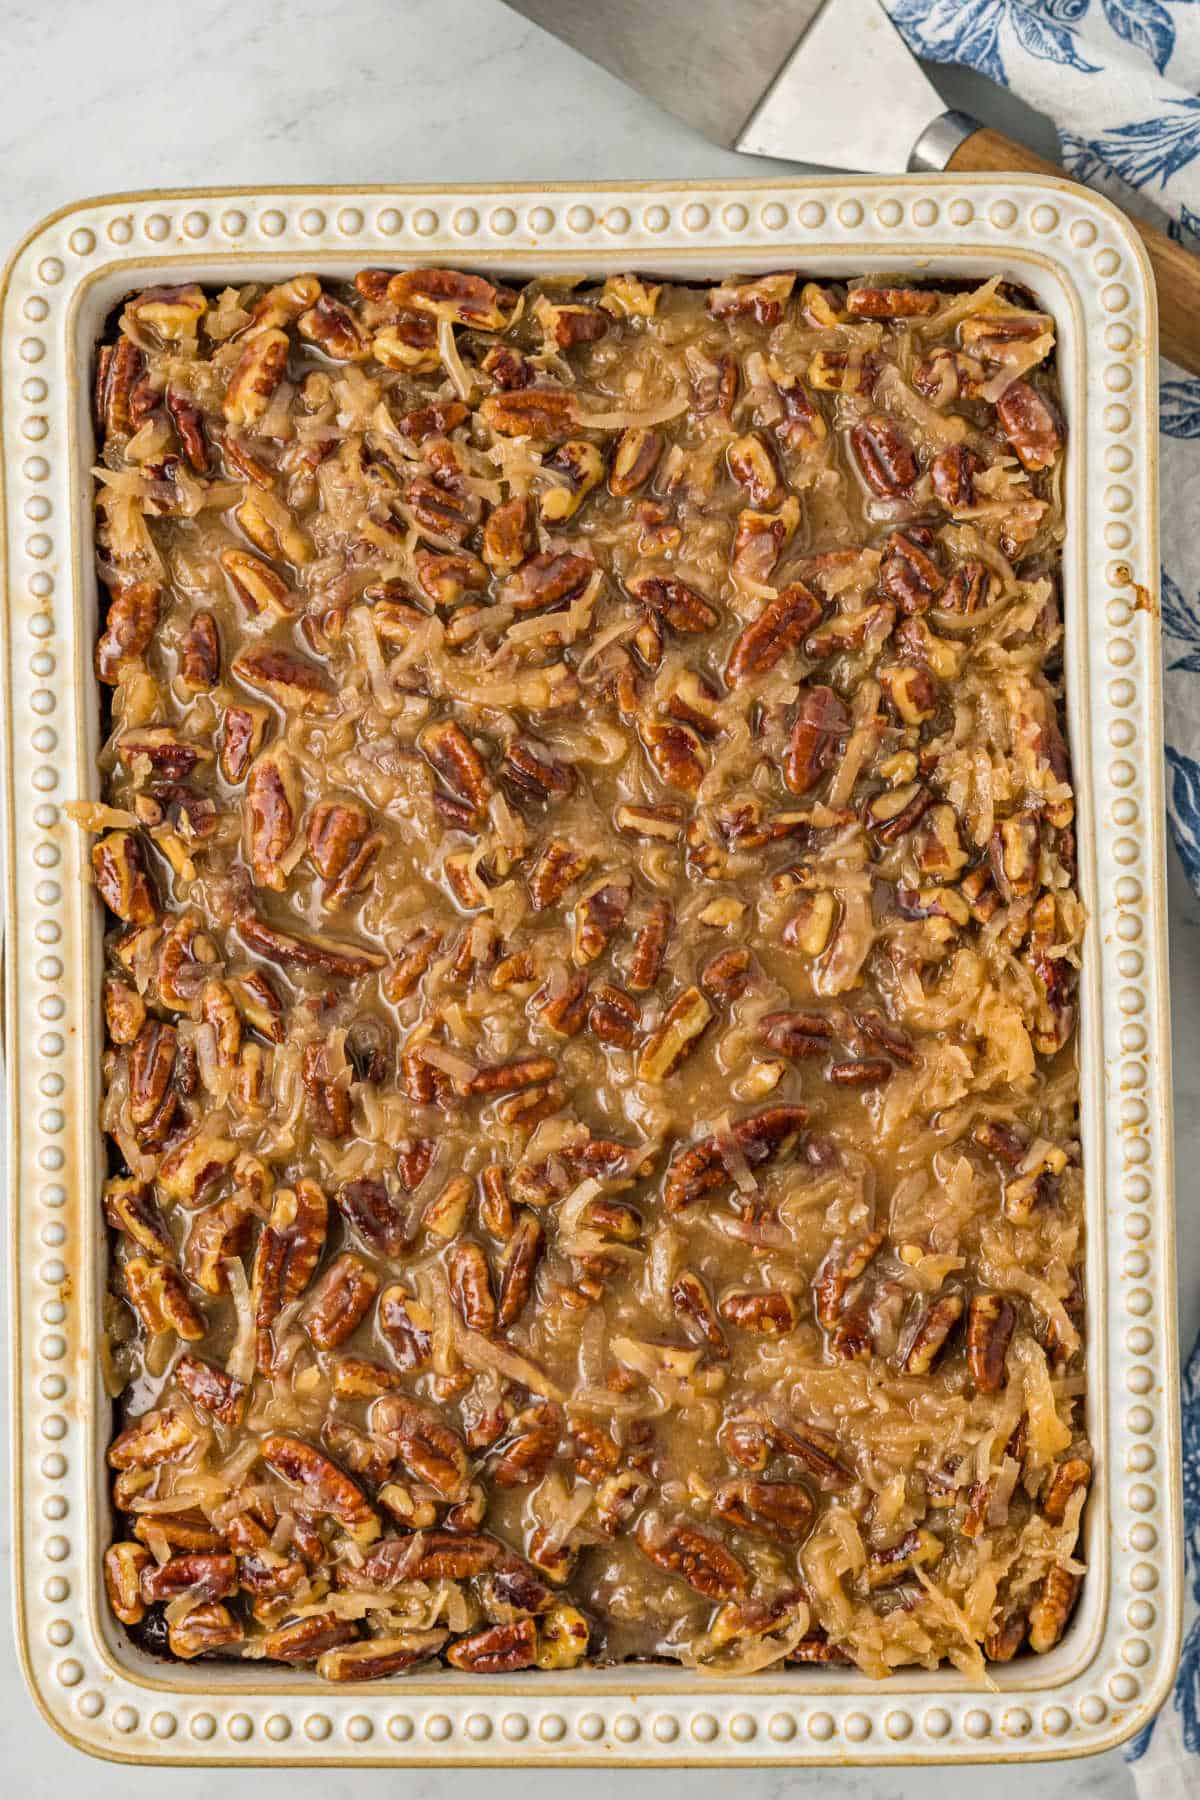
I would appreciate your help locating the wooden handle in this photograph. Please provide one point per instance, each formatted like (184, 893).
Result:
(1176, 271)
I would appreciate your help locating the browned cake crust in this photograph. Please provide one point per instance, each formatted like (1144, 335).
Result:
(590, 984)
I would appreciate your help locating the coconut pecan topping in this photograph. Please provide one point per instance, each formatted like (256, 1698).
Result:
(587, 847)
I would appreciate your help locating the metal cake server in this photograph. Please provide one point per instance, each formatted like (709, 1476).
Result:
(829, 82)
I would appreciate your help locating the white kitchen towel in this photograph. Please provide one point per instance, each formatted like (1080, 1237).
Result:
(1121, 80)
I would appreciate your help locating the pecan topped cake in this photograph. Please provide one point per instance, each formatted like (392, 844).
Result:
(587, 835)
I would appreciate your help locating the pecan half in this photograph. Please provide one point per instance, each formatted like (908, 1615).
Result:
(932, 1333)
(449, 294)
(781, 626)
(675, 1036)
(884, 455)
(285, 1258)
(340, 1301)
(558, 866)
(528, 775)
(752, 464)
(303, 1640)
(371, 1213)
(130, 1206)
(1066, 1480)
(703, 1562)
(677, 753)
(378, 1657)
(890, 302)
(446, 746)
(130, 625)
(425, 1444)
(518, 1267)
(124, 1565)
(507, 535)
(821, 719)
(761, 1138)
(838, 1273)
(212, 1389)
(544, 414)
(598, 914)
(1031, 424)
(1052, 1608)
(207, 1627)
(291, 949)
(634, 459)
(782, 1510)
(471, 1287)
(257, 374)
(767, 1312)
(677, 604)
(613, 1016)
(690, 1298)
(496, 1650)
(990, 1324)
(294, 681)
(796, 1034)
(323, 1486)
(272, 808)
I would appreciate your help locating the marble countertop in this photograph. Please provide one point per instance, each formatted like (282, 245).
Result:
(101, 98)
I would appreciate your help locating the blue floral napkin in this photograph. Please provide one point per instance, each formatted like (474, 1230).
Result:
(1121, 80)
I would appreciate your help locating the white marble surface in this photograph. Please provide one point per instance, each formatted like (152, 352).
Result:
(104, 95)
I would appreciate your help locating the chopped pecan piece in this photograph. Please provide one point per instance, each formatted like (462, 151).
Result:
(768, 1312)
(690, 1297)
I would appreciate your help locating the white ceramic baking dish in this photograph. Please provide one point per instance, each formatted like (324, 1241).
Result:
(1113, 1667)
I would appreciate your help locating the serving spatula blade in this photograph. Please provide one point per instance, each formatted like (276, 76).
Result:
(829, 82)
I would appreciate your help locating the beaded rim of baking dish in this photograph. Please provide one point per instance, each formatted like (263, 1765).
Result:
(1109, 1675)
